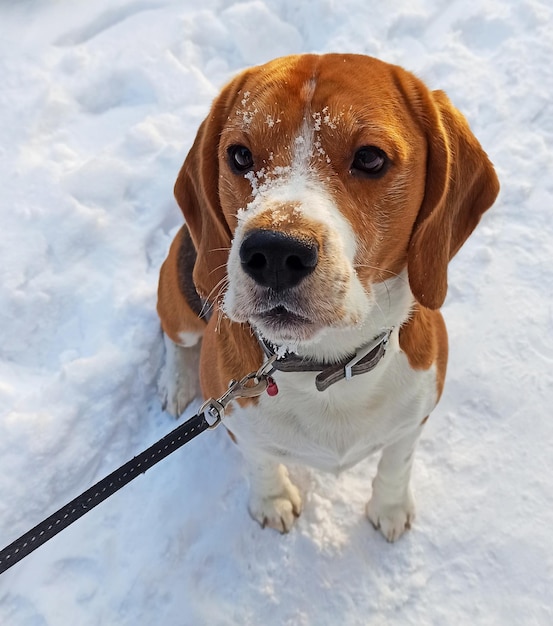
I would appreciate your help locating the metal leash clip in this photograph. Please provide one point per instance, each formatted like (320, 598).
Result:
(251, 386)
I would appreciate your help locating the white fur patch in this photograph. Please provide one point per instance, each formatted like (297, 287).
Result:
(188, 339)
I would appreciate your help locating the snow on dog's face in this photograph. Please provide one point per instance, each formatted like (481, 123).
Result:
(317, 178)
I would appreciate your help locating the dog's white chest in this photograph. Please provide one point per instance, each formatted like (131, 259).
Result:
(335, 429)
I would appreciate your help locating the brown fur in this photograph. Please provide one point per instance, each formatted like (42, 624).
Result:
(424, 340)
(174, 310)
(229, 352)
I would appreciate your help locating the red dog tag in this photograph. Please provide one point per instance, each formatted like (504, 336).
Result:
(272, 388)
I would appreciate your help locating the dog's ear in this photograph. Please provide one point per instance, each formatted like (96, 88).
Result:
(197, 194)
(460, 185)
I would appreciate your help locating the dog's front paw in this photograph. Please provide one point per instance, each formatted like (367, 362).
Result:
(176, 392)
(179, 381)
(389, 516)
(279, 511)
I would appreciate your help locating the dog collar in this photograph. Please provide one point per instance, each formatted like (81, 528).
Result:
(365, 359)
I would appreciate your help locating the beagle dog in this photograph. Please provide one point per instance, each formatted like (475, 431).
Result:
(324, 197)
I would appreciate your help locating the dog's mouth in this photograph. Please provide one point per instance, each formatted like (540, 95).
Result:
(281, 323)
(280, 316)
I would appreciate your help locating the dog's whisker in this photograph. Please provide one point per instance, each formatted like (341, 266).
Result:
(384, 317)
(380, 269)
(220, 286)
(219, 319)
(218, 267)
(389, 296)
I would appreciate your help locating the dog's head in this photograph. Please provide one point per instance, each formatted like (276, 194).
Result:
(316, 179)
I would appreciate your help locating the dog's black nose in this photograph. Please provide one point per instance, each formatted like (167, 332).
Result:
(277, 260)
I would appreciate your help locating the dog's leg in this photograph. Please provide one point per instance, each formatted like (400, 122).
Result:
(179, 381)
(179, 308)
(274, 500)
(391, 507)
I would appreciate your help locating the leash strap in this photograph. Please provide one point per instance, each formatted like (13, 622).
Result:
(75, 509)
(209, 416)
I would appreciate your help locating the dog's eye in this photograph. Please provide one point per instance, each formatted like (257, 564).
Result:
(369, 161)
(240, 159)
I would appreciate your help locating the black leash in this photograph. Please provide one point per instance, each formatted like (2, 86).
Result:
(209, 416)
(75, 509)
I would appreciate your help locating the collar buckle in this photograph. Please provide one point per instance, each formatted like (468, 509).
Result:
(361, 353)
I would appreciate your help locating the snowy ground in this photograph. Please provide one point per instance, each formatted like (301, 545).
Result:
(99, 102)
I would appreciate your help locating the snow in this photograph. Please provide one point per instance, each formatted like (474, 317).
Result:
(99, 102)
